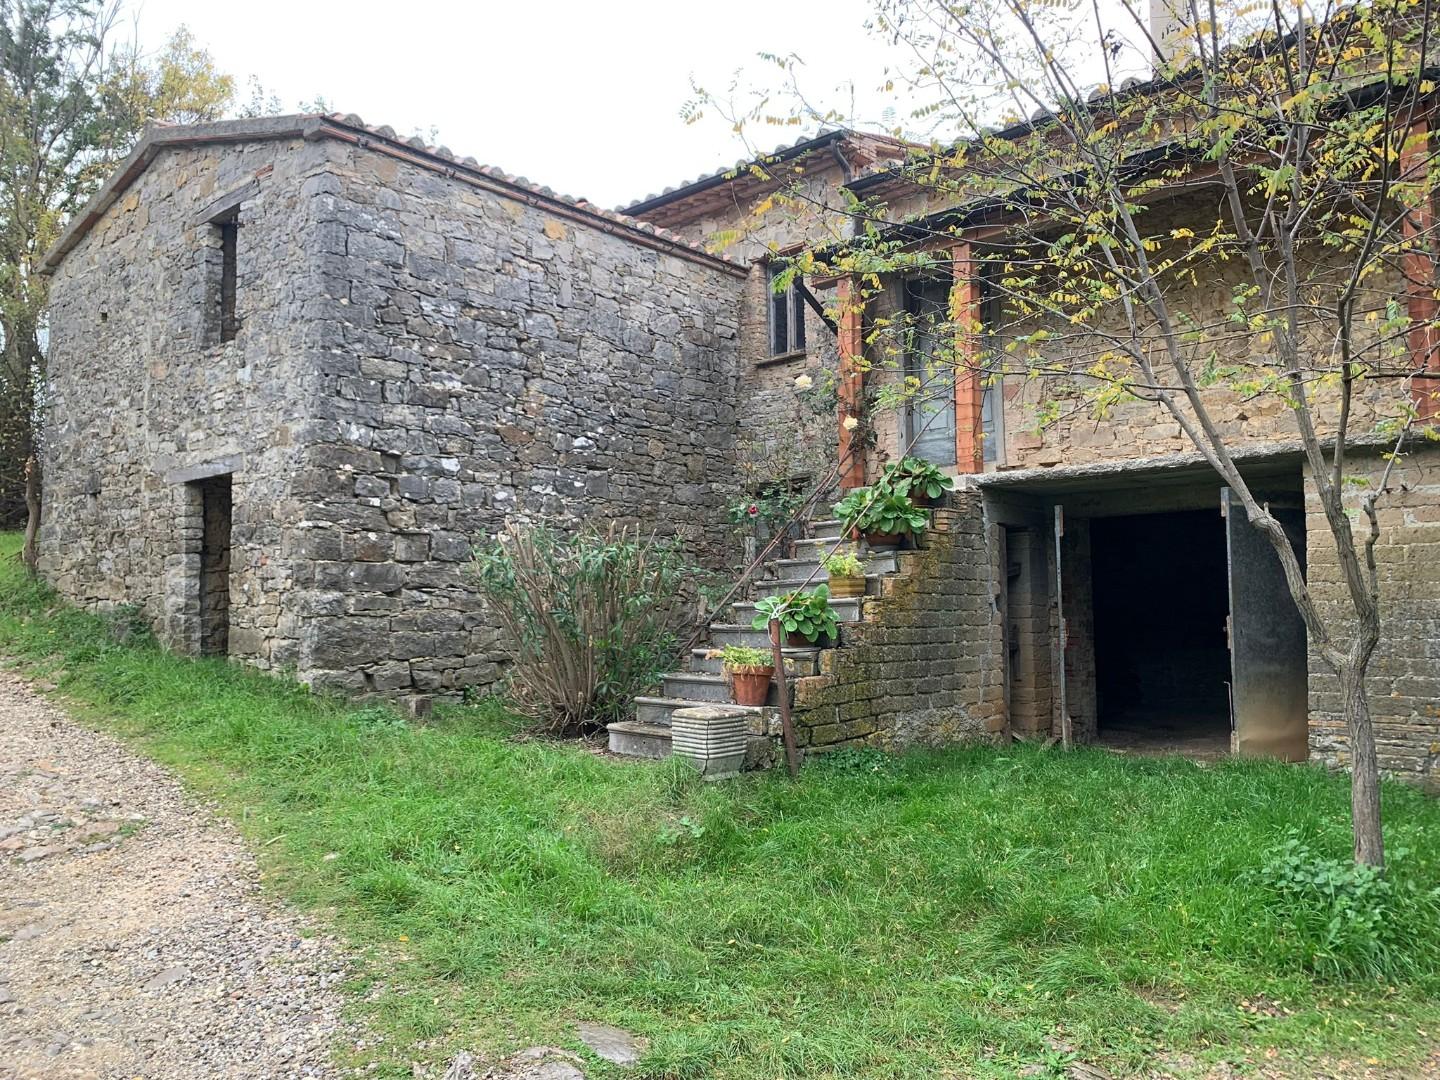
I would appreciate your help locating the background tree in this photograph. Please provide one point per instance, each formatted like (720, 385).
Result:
(1282, 149)
(73, 100)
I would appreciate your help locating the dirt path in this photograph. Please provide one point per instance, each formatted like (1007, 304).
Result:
(133, 941)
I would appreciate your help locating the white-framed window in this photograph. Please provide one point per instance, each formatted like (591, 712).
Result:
(929, 366)
(930, 420)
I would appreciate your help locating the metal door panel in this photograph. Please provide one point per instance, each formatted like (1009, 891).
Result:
(1268, 657)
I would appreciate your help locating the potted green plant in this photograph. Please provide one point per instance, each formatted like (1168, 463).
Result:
(917, 478)
(847, 574)
(883, 517)
(805, 617)
(748, 672)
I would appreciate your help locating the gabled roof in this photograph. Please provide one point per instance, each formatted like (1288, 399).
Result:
(350, 128)
(865, 150)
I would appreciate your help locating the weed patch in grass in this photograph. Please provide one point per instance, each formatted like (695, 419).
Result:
(969, 912)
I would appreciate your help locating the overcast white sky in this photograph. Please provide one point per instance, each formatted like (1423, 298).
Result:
(582, 96)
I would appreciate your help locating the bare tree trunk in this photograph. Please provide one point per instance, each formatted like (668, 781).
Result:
(1365, 768)
(30, 553)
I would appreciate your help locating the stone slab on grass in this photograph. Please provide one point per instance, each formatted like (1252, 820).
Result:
(614, 1044)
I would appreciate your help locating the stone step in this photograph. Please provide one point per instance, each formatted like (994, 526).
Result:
(722, 634)
(655, 711)
(639, 739)
(802, 661)
(826, 527)
(794, 584)
(702, 686)
(880, 561)
(845, 610)
(816, 544)
(814, 547)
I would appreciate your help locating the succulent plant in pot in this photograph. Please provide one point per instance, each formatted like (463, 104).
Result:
(881, 515)
(847, 574)
(748, 671)
(805, 617)
(917, 478)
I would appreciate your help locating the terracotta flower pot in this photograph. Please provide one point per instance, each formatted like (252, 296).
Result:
(883, 539)
(846, 588)
(798, 640)
(750, 685)
(793, 639)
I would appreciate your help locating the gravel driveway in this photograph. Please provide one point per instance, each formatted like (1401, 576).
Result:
(133, 939)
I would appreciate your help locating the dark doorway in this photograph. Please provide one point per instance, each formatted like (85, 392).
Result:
(1161, 658)
(215, 504)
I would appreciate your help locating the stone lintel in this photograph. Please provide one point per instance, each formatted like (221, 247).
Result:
(219, 467)
(223, 208)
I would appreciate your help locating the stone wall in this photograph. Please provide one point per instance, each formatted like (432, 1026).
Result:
(485, 359)
(1404, 678)
(810, 212)
(1078, 601)
(1029, 571)
(216, 511)
(777, 428)
(774, 423)
(144, 401)
(927, 668)
(419, 358)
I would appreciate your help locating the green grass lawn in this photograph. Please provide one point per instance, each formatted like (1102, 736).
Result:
(957, 913)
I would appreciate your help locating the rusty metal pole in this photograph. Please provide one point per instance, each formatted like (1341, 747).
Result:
(787, 730)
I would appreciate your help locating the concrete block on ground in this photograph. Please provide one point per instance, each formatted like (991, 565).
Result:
(711, 737)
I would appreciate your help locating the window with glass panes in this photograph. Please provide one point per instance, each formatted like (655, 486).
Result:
(787, 314)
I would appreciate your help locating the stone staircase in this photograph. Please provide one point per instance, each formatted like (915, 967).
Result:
(703, 683)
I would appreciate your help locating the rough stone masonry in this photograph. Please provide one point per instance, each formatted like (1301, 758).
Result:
(420, 348)
(298, 366)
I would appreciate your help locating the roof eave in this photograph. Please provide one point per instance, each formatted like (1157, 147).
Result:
(725, 176)
(158, 138)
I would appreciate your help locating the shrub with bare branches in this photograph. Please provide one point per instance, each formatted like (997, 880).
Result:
(594, 618)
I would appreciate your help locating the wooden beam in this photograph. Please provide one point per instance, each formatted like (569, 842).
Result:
(815, 305)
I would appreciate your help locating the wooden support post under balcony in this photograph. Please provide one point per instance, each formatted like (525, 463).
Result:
(969, 378)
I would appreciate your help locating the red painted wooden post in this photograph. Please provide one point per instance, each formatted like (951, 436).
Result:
(969, 379)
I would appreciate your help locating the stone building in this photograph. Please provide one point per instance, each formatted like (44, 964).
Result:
(298, 365)
(1087, 578)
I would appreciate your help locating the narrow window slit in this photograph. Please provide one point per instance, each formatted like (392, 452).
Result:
(229, 237)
